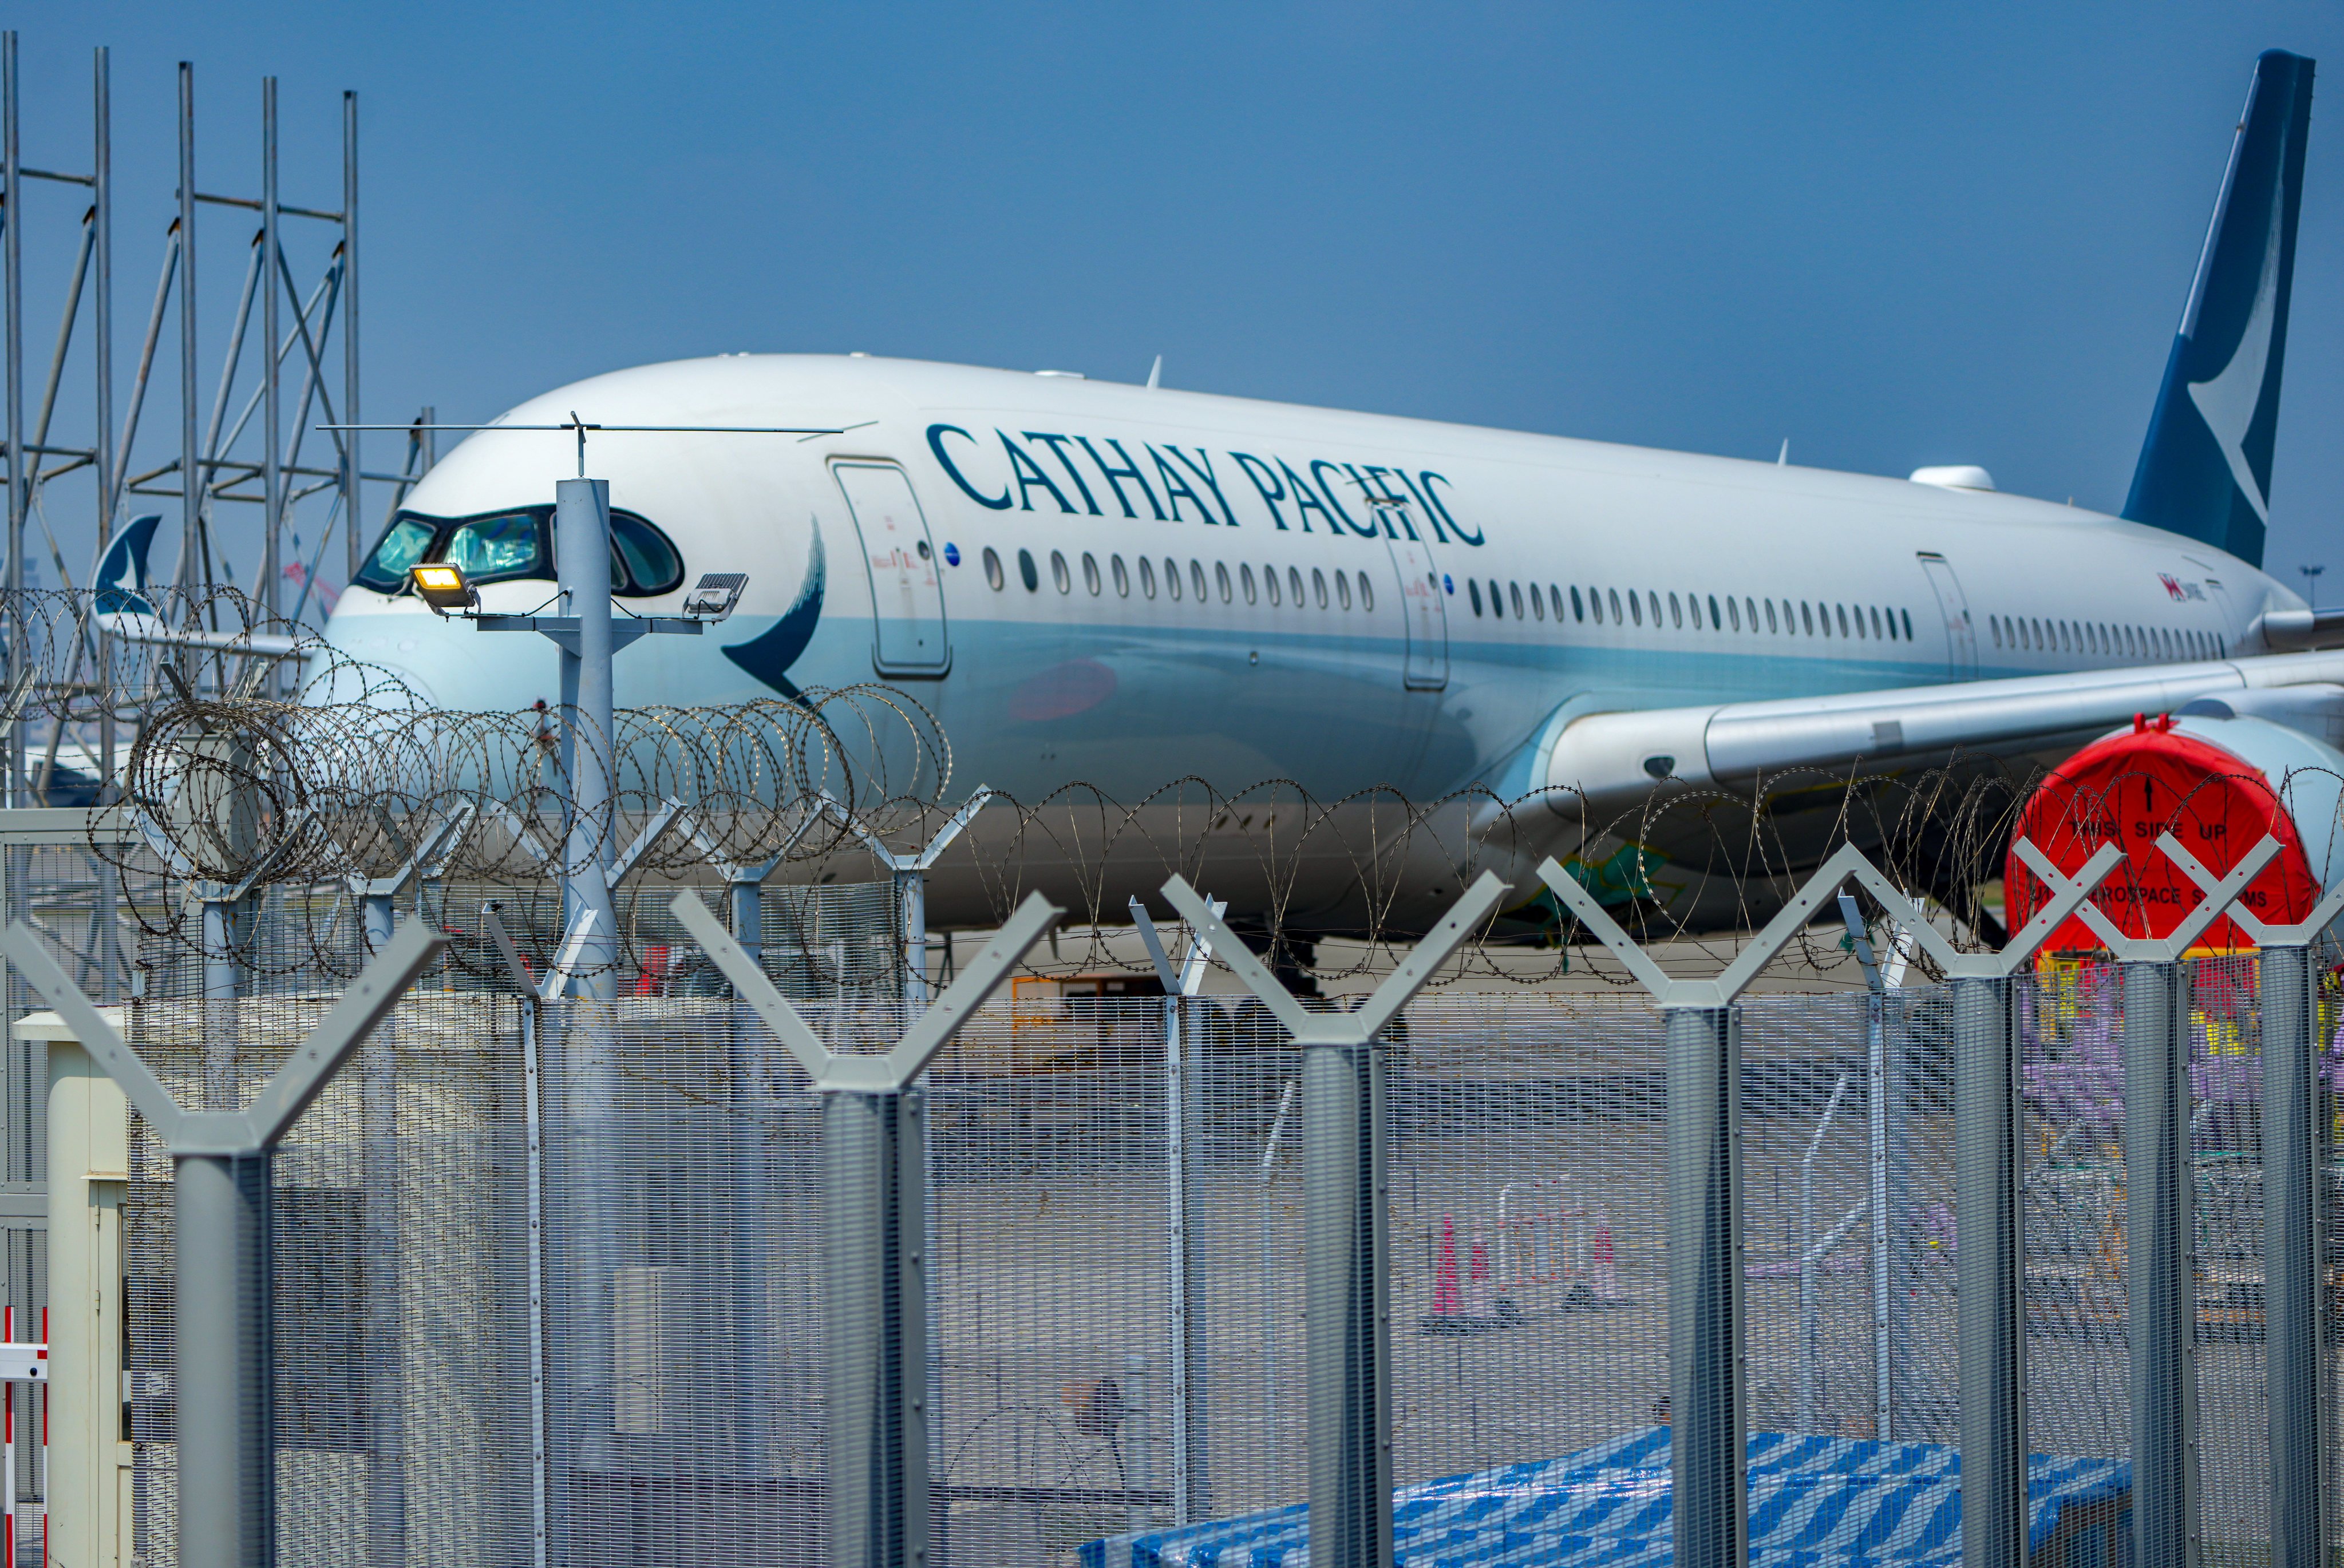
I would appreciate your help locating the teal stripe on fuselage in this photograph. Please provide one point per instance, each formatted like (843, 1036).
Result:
(1030, 708)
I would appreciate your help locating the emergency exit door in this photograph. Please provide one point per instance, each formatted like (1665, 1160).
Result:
(907, 598)
(1424, 611)
(1961, 635)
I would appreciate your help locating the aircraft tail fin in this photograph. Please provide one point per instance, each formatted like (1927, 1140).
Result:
(2205, 468)
(120, 580)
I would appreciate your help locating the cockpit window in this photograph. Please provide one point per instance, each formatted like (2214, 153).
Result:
(490, 548)
(652, 565)
(498, 546)
(402, 546)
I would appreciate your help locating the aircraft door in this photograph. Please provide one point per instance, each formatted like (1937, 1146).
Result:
(906, 590)
(1424, 614)
(1961, 634)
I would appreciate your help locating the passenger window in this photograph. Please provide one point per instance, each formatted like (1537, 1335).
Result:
(1906, 616)
(1615, 607)
(1538, 604)
(1172, 579)
(1197, 578)
(992, 569)
(1367, 594)
(1122, 577)
(1294, 584)
(1676, 616)
(1270, 583)
(1993, 625)
(1715, 624)
(1807, 617)
(1025, 572)
(1319, 587)
(1514, 592)
(1090, 573)
(1343, 590)
(1636, 608)
(1770, 619)
(1578, 609)
(1655, 600)
(1876, 620)
(1473, 592)
(1842, 620)
(1244, 580)
(1222, 580)
(1059, 572)
(1147, 578)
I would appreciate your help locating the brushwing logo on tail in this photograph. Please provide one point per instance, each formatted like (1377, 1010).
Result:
(121, 585)
(2228, 400)
(769, 655)
(2205, 470)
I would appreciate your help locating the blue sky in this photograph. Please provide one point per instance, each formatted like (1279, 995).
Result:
(1895, 236)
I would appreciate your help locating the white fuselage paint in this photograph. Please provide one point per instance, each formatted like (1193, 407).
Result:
(1043, 687)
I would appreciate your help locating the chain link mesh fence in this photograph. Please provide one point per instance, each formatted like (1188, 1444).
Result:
(641, 1379)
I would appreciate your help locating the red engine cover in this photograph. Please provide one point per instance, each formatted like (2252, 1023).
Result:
(2126, 789)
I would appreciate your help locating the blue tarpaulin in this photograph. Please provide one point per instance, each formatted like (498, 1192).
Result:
(1815, 1502)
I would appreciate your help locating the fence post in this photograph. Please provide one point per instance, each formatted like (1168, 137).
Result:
(1705, 1319)
(2160, 1186)
(1707, 1416)
(1879, 1077)
(225, 1377)
(2294, 1334)
(2162, 1321)
(1990, 1271)
(875, 1267)
(1190, 1386)
(2294, 1135)
(1346, 1252)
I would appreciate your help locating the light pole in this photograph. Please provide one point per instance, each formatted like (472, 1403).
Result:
(2311, 582)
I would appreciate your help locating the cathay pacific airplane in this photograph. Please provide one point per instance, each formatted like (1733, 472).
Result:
(1125, 585)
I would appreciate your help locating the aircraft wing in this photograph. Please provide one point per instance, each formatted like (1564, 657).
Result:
(132, 627)
(1604, 763)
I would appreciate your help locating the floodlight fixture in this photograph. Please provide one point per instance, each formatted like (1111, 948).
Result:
(713, 597)
(443, 586)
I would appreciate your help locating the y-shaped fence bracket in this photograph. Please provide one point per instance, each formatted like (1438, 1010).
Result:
(375, 893)
(874, 1237)
(910, 872)
(1709, 1414)
(744, 881)
(222, 1160)
(1346, 1252)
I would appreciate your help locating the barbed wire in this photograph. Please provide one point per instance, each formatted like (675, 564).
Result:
(310, 771)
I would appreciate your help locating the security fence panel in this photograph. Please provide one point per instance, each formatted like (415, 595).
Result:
(402, 1281)
(2077, 1303)
(605, 1343)
(1049, 1171)
(2226, 1296)
(1806, 1153)
(1529, 1307)
(1921, 1399)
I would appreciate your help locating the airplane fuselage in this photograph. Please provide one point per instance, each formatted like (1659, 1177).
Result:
(1125, 585)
